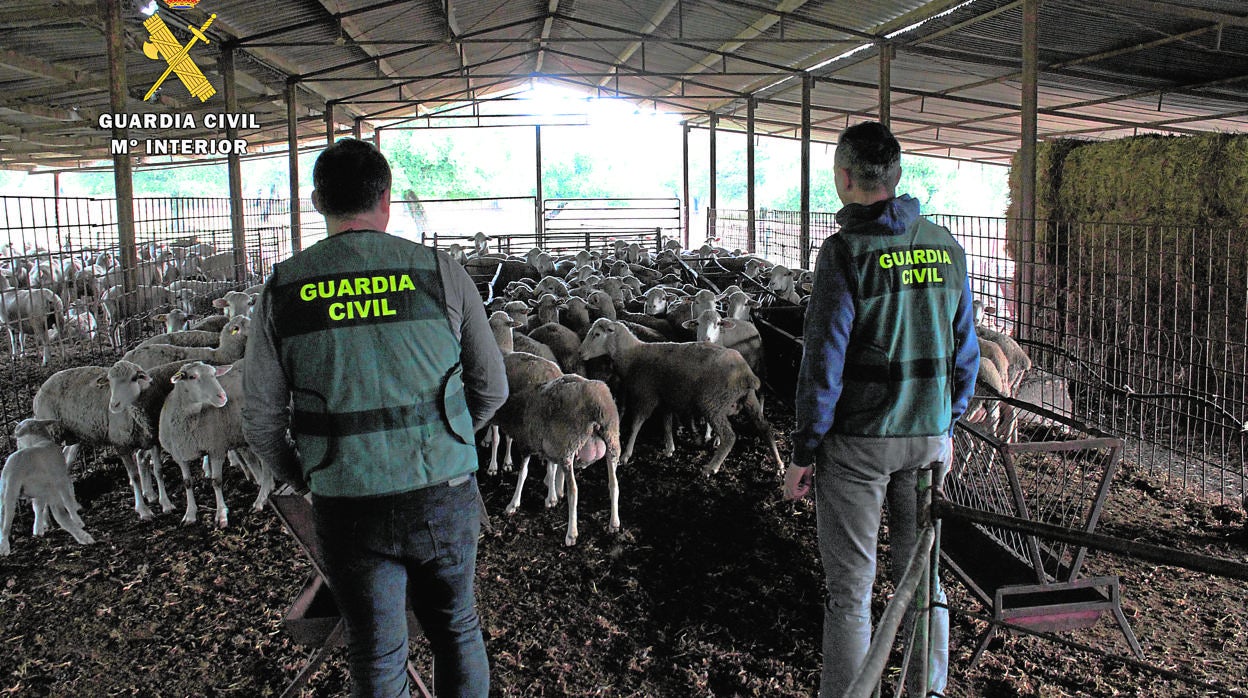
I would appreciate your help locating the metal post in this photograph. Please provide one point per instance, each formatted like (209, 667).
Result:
(803, 255)
(292, 148)
(685, 180)
(711, 203)
(886, 82)
(123, 183)
(1025, 288)
(377, 137)
(357, 128)
(234, 168)
(751, 223)
(329, 124)
(539, 204)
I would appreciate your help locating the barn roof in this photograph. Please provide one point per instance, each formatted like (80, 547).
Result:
(1108, 68)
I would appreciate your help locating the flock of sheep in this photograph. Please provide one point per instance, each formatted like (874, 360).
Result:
(588, 339)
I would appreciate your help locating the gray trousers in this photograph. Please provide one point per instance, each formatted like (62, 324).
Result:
(853, 475)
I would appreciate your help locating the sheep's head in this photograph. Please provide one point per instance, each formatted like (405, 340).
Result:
(126, 380)
(709, 325)
(236, 329)
(601, 340)
(37, 432)
(199, 381)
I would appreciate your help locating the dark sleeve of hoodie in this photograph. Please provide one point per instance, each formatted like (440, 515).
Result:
(485, 378)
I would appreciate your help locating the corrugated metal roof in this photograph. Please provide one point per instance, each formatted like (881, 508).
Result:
(1108, 67)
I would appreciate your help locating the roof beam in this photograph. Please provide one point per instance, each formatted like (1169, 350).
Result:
(33, 15)
(1175, 10)
(651, 24)
(40, 68)
(547, 24)
(349, 27)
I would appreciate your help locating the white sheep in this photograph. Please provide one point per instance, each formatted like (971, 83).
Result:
(697, 379)
(118, 306)
(741, 335)
(202, 417)
(39, 470)
(29, 312)
(79, 398)
(235, 303)
(175, 320)
(782, 282)
(232, 342)
(1018, 363)
(566, 420)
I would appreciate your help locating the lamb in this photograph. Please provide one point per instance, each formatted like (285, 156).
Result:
(39, 469)
(175, 320)
(81, 400)
(234, 303)
(699, 379)
(201, 418)
(782, 282)
(233, 341)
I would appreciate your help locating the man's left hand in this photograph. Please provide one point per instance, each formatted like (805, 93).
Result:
(798, 481)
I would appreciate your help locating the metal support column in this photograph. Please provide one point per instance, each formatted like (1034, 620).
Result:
(886, 82)
(292, 148)
(118, 94)
(377, 138)
(329, 124)
(713, 177)
(803, 255)
(234, 169)
(684, 163)
(751, 244)
(1024, 288)
(357, 128)
(539, 194)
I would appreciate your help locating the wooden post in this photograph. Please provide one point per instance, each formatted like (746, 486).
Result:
(357, 128)
(711, 203)
(292, 149)
(684, 160)
(539, 194)
(118, 93)
(886, 83)
(329, 124)
(234, 168)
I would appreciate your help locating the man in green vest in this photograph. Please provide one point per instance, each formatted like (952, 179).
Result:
(376, 354)
(889, 363)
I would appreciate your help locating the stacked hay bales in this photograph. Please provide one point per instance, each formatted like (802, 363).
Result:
(1136, 261)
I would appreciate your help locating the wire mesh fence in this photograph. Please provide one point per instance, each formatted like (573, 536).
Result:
(1139, 330)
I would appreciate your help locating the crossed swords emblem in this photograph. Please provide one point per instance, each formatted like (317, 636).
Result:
(164, 45)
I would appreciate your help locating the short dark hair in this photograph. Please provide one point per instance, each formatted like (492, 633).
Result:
(871, 154)
(350, 177)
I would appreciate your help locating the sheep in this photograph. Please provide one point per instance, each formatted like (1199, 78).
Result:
(235, 303)
(741, 335)
(1019, 363)
(988, 384)
(563, 343)
(739, 304)
(184, 338)
(175, 320)
(782, 282)
(232, 343)
(701, 379)
(29, 312)
(501, 324)
(210, 323)
(524, 372)
(81, 399)
(119, 306)
(212, 267)
(39, 469)
(80, 325)
(201, 418)
(569, 421)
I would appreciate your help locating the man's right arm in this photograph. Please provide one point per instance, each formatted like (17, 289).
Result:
(485, 376)
(266, 415)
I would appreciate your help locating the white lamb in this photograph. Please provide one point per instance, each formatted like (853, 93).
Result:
(39, 470)
(29, 312)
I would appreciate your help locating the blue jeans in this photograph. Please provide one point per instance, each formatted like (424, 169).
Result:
(853, 475)
(420, 547)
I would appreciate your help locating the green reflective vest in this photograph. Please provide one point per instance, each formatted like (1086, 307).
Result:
(899, 365)
(373, 366)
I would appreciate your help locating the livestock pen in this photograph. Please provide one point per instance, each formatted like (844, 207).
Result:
(633, 597)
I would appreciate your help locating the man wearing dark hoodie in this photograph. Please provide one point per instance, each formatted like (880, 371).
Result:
(888, 367)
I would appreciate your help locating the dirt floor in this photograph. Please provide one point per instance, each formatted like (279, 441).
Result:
(712, 589)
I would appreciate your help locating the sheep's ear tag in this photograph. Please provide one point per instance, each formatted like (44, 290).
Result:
(234, 330)
(177, 377)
